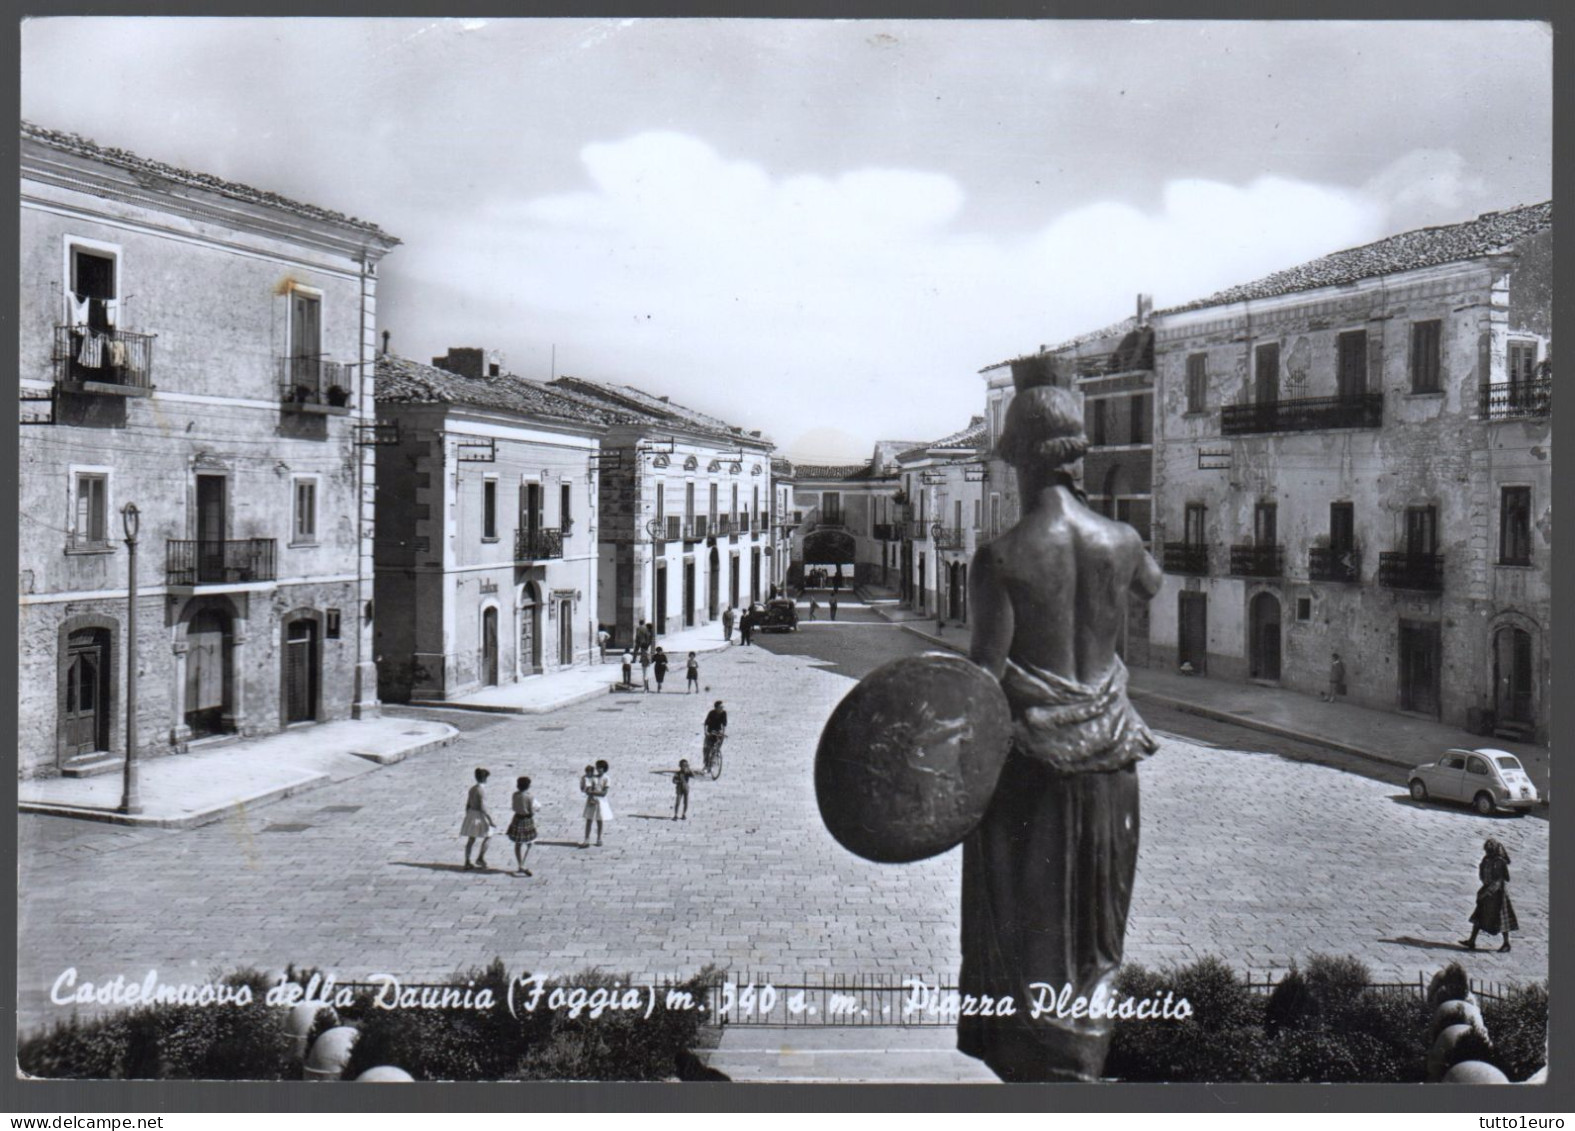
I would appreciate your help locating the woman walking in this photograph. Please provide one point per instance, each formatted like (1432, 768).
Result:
(604, 811)
(1494, 913)
(659, 662)
(522, 829)
(478, 823)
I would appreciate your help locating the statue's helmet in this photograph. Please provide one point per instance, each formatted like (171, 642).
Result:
(1044, 427)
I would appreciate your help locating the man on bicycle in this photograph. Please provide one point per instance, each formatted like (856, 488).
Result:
(715, 732)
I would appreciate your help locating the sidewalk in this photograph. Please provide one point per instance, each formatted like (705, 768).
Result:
(182, 790)
(542, 694)
(1386, 737)
(847, 1054)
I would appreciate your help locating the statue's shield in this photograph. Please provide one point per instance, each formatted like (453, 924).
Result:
(908, 761)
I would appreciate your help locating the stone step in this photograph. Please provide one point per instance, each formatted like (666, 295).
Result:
(844, 1054)
(92, 765)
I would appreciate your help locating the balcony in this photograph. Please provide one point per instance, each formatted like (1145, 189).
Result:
(1253, 560)
(1307, 414)
(1187, 557)
(538, 545)
(1401, 570)
(1514, 400)
(114, 363)
(948, 537)
(888, 532)
(695, 529)
(1327, 564)
(914, 530)
(726, 525)
(313, 385)
(189, 564)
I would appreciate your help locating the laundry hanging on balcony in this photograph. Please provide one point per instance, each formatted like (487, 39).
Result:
(92, 355)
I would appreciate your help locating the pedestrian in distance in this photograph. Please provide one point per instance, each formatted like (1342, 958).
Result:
(604, 812)
(746, 627)
(1336, 678)
(628, 669)
(681, 785)
(832, 604)
(692, 675)
(593, 810)
(1494, 914)
(478, 823)
(728, 617)
(814, 608)
(601, 642)
(659, 662)
(645, 671)
(522, 827)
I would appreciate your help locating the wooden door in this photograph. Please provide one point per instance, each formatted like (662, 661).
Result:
(1419, 667)
(301, 670)
(1193, 635)
(1512, 675)
(85, 724)
(208, 677)
(210, 528)
(689, 594)
(1266, 374)
(489, 647)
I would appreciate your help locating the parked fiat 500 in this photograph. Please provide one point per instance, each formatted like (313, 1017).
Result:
(1485, 779)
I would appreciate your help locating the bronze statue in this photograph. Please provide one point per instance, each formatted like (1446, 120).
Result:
(1047, 874)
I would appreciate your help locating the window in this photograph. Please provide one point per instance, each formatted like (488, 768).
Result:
(978, 507)
(565, 517)
(735, 505)
(1426, 352)
(711, 510)
(1266, 373)
(689, 504)
(1096, 427)
(1352, 376)
(1197, 382)
(94, 298)
(1522, 362)
(661, 500)
(1421, 531)
(1140, 434)
(1475, 765)
(331, 624)
(91, 526)
(831, 508)
(1304, 608)
(995, 514)
(1193, 529)
(1342, 528)
(1514, 526)
(489, 509)
(305, 528)
(1265, 523)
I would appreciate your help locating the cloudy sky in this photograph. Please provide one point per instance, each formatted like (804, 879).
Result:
(821, 229)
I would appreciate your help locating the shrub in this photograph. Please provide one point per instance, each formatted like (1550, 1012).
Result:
(1328, 1057)
(1518, 1026)
(1219, 999)
(1337, 981)
(1291, 1005)
(1452, 983)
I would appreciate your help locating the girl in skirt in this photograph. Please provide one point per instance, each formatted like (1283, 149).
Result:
(522, 829)
(1494, 914)
(478, 823)
(603, 809)
(593, 809)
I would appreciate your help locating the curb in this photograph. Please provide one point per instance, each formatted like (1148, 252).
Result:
(390, 757)
(187, 821)
(506, 709)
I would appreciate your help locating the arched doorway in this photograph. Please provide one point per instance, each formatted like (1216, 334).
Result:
(1512, 699)
(714, 585)
(489, 646)
(529, 658)
(302, 670)
(85, 719)
(210, 680)
(1263, 644)
(956, 591)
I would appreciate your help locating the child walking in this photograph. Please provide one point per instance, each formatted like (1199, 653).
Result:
(522, 829)
(628, 668)
(604, 811)
(659, 661)
(478, 823)
(681, 784)
(692, 675)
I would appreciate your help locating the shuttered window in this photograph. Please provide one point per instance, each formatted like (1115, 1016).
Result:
(1197, 382)
(1426, 339)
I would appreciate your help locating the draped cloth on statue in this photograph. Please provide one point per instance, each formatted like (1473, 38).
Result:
(1047, 876)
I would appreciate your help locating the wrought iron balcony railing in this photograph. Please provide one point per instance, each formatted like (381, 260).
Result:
(112, 362)
(915, 531)
(1305, 414)
(1509, 400)
(314, 385)
(1187, 557)
(538, 545)
(1325, 563)
(1401, 570)
(190, 563)
(948, 537)
(1253, 560)
(887, 532)
(696, 529)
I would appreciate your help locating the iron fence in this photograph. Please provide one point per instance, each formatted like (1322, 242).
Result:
(1187, 557)
(1402, 570)
(1253, 560)
(1305, 414)
(1325, 563)
(210, 562)
(1506, 400)
(540, 544)
(314, 381)
(85, 356)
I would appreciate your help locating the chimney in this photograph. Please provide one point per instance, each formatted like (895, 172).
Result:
(386, 335)
(464, 360)
(1145, 309)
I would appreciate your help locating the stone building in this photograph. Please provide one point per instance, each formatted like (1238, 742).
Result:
(1355, 456)
(200, 350)
(848, 519)
(944, 483)
(487, 562)
(782, 521)
(685, 500)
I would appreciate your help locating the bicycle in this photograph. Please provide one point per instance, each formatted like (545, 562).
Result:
(713, 754)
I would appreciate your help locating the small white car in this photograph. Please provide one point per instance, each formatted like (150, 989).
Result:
(1485, 779)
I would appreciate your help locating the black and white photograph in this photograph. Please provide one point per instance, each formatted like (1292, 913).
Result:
(785, 552)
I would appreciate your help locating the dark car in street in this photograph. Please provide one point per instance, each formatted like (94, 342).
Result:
(780, 615)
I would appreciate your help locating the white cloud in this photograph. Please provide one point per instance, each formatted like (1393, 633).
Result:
(784, 302)
(1431, 186)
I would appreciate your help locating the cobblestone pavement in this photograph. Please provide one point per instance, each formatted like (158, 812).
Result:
(1248, 856)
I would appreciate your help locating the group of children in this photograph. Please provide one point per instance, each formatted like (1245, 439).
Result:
(658, 660)
(478, 823)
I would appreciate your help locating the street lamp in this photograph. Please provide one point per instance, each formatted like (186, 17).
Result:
(130, 797)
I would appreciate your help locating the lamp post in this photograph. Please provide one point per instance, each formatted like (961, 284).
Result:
(130, 797)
